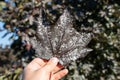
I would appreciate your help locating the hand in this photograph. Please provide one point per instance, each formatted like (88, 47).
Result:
(40, 69)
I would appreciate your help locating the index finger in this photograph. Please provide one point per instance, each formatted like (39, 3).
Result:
(57, 68)
(36, 64)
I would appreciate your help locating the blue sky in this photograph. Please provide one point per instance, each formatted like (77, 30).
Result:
(4, 41)
(11, 2)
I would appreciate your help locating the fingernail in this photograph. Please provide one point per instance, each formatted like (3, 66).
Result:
(54, 60)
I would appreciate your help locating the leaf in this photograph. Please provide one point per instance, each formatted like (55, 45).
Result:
(61, 40)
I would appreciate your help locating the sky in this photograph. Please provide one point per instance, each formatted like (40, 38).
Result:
(4, 41)
(11, 2)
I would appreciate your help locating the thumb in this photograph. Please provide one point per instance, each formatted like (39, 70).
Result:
(50, 66)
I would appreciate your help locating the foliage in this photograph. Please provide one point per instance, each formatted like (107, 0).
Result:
(102, 17)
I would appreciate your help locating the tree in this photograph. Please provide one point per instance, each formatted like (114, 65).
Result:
(100, 17)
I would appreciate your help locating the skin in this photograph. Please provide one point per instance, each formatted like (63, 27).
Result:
(40, 69)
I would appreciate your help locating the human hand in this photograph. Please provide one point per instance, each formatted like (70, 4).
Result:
(40, 69)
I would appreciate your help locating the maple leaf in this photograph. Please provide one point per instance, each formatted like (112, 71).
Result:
(61, 40)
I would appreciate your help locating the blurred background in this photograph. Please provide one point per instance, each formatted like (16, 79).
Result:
(101, 17)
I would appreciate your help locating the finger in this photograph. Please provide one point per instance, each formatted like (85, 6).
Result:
(60, 74)
(50, 66)
(36, 64)
(59, 67)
